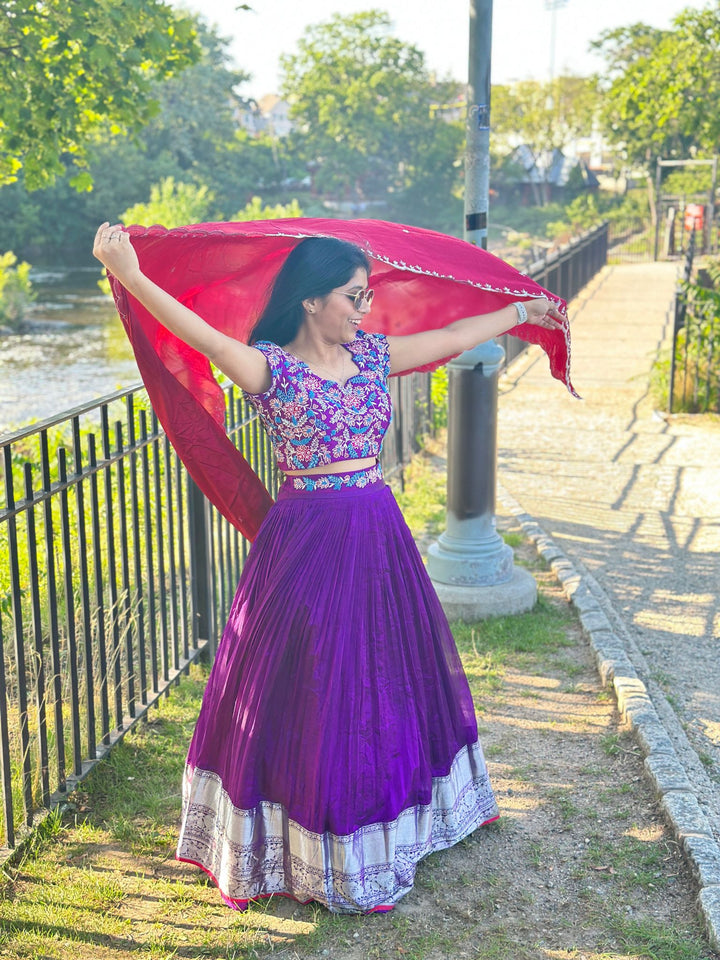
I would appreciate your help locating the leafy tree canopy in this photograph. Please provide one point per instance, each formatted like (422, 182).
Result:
(661, 92)
(363, 102)
(544, 116)
(69, 70)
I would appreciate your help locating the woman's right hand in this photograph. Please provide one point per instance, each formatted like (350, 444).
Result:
(112, 248)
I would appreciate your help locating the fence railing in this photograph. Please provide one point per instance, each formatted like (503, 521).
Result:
(694, 377)
(565, 273)
(115, 575)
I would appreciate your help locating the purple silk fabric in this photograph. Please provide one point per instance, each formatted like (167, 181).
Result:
(337, 690)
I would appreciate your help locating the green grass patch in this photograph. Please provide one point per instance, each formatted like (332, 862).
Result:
(647, 938)
(423, 499)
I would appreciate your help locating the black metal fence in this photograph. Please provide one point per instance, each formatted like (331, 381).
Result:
(565, 273)
(694, 376)
(630, 239)
(115, 574)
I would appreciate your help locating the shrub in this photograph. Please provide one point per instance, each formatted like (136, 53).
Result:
(439, 397)
(172, 204)
(16, 292)
(254, 210)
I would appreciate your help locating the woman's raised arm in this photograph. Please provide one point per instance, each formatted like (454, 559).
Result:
(246, 366)
(417, 349)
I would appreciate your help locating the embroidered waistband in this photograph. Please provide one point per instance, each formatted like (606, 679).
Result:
(336, 481)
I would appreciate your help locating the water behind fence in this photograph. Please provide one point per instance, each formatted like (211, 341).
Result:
(115, 574)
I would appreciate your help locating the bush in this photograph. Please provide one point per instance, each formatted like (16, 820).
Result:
(439, 397)
(254, 210)
(16, 292)
(172, 204)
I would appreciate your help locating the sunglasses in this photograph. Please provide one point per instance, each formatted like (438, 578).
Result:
(358, 299)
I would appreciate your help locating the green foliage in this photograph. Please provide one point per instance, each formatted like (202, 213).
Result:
(439, 397)
(16, 292)
(697, 355)
(69, 71)
(580, 215)
(661, 88)
(696, 385)
(365, 107)
(544, 116)
(172, 205)
(688, 181)
(193, 138)
(256, 210)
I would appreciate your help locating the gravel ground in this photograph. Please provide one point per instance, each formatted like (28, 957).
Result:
(632, 497)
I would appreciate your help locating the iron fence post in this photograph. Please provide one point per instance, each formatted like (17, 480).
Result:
(200, 560)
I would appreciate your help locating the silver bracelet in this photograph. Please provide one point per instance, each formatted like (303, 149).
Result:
(522, 312)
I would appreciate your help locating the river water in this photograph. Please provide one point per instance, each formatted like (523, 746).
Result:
(73, 349)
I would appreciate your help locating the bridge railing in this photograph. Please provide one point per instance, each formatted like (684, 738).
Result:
(565, 272)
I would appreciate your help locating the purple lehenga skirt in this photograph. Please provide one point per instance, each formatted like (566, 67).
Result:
(337, 744)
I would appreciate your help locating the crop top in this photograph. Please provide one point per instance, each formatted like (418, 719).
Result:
(311, 421)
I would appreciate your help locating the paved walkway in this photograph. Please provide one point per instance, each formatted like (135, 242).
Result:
(632, 498)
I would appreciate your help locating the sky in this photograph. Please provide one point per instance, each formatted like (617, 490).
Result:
(522, 32)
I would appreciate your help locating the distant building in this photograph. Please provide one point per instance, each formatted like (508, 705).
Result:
(275, 113)
(538, 178)
(270, 114)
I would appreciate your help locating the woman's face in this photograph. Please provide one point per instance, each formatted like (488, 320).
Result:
(334, 316)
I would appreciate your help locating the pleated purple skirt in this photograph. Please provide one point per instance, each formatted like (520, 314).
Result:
(337, 744)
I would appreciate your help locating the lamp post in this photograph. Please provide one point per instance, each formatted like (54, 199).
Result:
(553, 6)
(470, 565)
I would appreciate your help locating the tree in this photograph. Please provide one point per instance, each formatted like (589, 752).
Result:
(661, 91)
(70, 70)
(193, 138)
(543, 117)
(362, 102)
(172, 205)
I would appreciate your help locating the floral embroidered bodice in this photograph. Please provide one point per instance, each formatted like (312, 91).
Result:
(311, 421)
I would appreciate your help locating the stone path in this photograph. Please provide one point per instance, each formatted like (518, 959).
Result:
(632, 499)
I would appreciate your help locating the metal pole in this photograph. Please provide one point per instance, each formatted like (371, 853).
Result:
(200, 563)
(711, 207)
(470, 553)
(658, 208)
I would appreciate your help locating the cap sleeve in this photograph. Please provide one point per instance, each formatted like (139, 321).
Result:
(374, 350)
(275, 357)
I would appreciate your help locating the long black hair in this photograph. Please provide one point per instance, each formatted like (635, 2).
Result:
(313, 268)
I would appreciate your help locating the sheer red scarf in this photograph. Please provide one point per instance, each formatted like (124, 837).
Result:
(223, 271)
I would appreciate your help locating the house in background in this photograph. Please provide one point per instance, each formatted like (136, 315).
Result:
(270, 114)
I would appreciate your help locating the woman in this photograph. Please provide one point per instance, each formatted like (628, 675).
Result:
(337, 742)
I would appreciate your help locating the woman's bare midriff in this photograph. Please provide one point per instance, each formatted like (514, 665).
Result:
(342, 466)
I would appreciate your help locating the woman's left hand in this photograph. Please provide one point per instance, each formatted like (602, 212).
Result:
(544, 313)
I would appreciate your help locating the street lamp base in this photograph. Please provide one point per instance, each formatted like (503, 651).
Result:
(517, 595)
(469, 561)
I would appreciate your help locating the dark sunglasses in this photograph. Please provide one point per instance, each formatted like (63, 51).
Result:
(358, 299)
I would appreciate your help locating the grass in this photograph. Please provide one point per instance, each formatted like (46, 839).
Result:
(577, 866)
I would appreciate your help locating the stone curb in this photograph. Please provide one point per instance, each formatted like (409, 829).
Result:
(662, 767)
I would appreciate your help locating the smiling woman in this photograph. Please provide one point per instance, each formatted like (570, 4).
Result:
(337, 744)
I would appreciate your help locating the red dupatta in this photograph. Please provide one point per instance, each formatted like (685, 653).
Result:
(223, 271)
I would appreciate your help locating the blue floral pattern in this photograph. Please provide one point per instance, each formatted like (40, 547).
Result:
(336, 481)
(312, 422)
